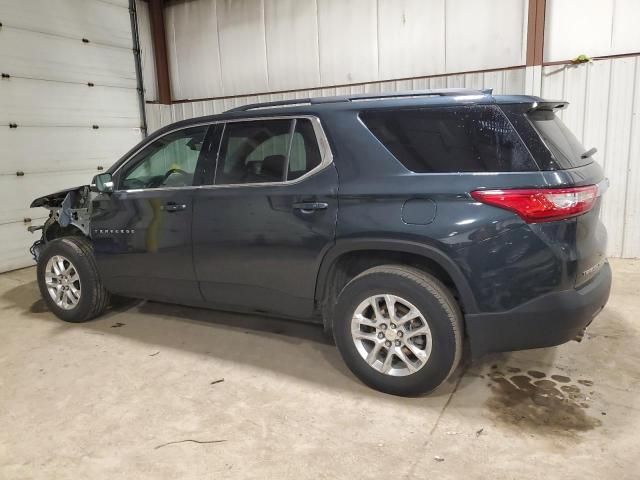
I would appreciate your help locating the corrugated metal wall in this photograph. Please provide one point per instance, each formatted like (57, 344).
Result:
(502, 81)
(591, 27)
(236, 47)
(605, 113)
(240, 47)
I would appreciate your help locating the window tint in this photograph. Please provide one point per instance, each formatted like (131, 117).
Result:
(259, 151)
(170, 161)
(450, 139)
(565, 147)
(305, 153)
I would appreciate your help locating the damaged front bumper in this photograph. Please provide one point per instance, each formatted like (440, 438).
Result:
(70, 212)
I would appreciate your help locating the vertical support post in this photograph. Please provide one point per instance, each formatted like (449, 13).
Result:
(156, 17)
(535, 32)
(133, 14)
(535, 46)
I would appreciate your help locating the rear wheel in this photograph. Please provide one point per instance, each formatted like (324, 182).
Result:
(398, 329)
(69, 281)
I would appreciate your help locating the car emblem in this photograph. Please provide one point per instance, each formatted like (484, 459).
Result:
(107, 231)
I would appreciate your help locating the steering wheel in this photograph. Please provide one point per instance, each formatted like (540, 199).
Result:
(171, 171)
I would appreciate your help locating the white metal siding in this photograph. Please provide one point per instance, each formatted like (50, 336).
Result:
(47, 95)
(194, 57)
(412, 38)
(348, 42)
(222, 48)
(591, 27)
(483, 34)
(605, 104)
(290, 21)
(502, 81)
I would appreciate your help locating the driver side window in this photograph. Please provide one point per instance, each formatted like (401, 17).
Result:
(170, 161)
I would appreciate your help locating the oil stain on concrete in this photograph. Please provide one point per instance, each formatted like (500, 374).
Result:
(540, 403)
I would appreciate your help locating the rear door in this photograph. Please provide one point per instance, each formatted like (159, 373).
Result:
(263, 224)
(142, 231)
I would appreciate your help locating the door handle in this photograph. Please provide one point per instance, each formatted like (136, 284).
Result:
(308, 207)
(175, 207)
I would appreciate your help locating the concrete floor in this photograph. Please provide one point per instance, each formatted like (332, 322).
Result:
(139, 394)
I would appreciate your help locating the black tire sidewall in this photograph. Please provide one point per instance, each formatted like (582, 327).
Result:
(443, 353)
(88, 282)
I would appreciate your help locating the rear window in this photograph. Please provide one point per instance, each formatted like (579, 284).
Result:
(564, 146)
(450, 139)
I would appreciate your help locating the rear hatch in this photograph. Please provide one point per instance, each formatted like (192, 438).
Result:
(579, 168)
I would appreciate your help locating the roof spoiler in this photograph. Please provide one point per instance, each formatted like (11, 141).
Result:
(549, 105)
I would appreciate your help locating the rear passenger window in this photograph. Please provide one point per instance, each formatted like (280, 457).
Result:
(266, 151)
(566, 148)
(450, 139)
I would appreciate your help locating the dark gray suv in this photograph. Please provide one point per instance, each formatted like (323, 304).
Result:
(404, 223)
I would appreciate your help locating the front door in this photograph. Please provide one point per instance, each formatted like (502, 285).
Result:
(142, 231)
(260, 230)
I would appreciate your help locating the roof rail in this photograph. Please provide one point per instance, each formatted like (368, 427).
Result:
(363, 97)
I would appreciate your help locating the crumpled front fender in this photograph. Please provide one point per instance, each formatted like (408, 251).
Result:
(55, 199)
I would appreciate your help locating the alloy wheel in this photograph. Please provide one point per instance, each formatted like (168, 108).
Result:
(391, 335)
(63, 282)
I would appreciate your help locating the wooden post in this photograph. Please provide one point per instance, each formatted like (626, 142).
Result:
(156, 17)
(535, 32)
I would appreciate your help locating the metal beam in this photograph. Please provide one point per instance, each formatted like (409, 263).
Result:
(156, 18)
(535, 32)
(133, 14)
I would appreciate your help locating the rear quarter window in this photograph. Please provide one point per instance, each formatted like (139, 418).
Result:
(450, 139)
(566, 149)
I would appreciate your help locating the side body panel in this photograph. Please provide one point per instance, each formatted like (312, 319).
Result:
(503, 261)
(254, 251)
(143, 248)
(142, 238)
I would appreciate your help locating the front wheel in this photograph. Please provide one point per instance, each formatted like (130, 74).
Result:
(398, 329)
(69, 281)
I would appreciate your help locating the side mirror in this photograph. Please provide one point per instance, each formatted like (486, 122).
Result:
(102, 183)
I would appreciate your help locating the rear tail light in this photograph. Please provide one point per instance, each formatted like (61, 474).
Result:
(541, 204)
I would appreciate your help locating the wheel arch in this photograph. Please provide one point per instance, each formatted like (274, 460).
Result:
(366, 253)
(55, 230)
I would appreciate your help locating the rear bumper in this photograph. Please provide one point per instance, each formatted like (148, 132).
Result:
(545, 321)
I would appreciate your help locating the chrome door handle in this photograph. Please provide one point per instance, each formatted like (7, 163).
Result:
(175, 207)
(308, 207)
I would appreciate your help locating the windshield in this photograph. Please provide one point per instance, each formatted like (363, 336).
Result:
(565, 147)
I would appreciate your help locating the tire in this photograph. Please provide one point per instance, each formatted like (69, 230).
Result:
(79, 274)
(420, 365)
